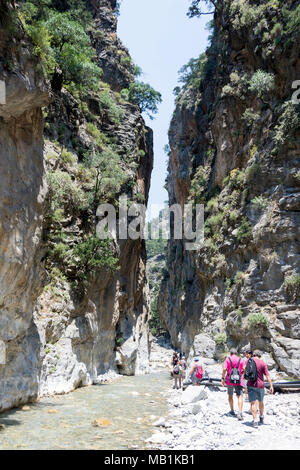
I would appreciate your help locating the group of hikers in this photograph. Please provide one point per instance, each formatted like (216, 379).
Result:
(236, 370)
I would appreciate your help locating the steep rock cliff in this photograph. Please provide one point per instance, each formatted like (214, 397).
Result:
(22, 201)
(62, 327)
(234, 141)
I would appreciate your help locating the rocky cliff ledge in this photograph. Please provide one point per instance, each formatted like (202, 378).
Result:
(235, 142)
(72, 307)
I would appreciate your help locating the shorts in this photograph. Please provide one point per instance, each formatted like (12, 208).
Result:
(255, 393)
(237, 388)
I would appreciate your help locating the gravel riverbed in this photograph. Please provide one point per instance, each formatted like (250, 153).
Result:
(199, 420)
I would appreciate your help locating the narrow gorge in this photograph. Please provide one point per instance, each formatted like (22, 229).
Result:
(77, 310)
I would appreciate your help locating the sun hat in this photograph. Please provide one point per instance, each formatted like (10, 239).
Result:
(196, 358)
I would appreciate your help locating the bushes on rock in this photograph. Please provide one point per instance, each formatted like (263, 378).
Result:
(244, 233)
(292, 285)
(288, 122)
(260, 202)
(258, 319)
(64, 191)
(61, 41)
(144, 96)
(220, 339)
(93, 253)
(262, 83)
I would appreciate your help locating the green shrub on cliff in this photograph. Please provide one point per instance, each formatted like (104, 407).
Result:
(238, 278)
(262, 83)
(93, 253)
(288, 122)
(61, 41)
(220, 339)
(198, 184)
(297, 177)
(250, 117)
(144, 96)
(293, 21)
(65, 192)
(108, 174)
(115, 113)
(258, 319)
(237, 86)
(292, 284)
(244, 233)
(260, 202)
(191, 74)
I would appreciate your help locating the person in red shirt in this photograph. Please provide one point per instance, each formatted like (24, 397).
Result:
(234, 361)
(256, 390)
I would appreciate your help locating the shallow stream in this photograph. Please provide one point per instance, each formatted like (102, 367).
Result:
(114, 416)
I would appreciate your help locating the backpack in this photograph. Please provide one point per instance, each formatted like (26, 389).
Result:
(176, 369)
(251, 373)
(235, 375)
(199, 372)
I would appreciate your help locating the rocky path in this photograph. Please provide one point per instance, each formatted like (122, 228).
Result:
(199, 420)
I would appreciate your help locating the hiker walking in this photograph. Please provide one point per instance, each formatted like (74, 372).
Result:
(255, 371)
(196, 371)
(247, 354)
(174, 358)
(184, 366)
(177, 374)
(233, 368)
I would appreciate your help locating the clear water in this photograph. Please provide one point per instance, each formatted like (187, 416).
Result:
(125, 411)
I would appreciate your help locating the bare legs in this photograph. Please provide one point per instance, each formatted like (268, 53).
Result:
(240, 402)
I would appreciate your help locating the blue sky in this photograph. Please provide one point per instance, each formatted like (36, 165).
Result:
(161, 39)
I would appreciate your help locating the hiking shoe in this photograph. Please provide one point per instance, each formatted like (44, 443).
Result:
(261, 420)
(255, 424)
(232, 413)
(240, 416)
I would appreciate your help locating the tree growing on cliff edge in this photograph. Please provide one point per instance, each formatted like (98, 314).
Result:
(196, 7)
(60, 39)
(144, 96)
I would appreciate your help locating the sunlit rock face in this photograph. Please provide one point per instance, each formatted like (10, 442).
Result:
(53, 340)
(22, 200)
(228, 152)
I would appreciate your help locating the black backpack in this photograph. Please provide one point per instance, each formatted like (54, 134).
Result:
(235, 375)
(251, 373)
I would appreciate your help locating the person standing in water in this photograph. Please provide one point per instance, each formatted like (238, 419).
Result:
(177, 374)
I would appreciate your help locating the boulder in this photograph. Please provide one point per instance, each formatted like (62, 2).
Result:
(204, 346)
(193, 394)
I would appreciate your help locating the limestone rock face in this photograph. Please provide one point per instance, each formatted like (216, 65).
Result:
(53, 339)
(22, 200)
(242, 286)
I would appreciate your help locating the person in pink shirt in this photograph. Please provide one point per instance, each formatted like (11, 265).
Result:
(234, 361)
(256, 389)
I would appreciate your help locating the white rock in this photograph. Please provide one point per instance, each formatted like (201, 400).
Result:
(196, 408)
(159, 422)
(193, 394)
(159, 438)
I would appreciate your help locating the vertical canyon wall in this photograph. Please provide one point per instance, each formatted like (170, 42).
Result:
(235, 147)
(59, 333)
